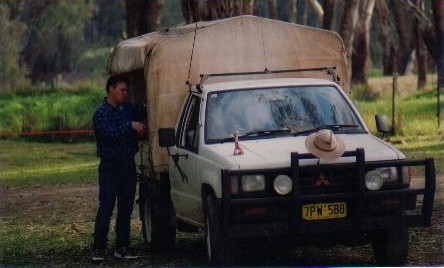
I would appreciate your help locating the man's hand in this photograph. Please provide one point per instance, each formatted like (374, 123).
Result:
(139, 128)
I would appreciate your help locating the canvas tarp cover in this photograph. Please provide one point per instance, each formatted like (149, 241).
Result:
(239, 44)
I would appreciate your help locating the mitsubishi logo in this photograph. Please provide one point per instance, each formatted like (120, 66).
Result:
(322, 181)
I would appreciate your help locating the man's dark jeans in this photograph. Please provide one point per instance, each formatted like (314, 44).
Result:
(117, 181)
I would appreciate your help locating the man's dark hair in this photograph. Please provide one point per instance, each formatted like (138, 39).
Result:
(113, 80)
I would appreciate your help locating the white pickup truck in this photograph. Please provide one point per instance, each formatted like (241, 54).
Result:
(226, 150)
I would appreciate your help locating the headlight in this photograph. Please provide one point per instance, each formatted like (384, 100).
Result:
(376, 178)
(253, 183)
(282, 184)
(373, 180)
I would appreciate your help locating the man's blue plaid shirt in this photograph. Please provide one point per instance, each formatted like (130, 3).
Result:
(115, 139)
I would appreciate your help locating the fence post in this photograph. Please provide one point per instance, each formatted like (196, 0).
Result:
(439, 107)
(394, 89)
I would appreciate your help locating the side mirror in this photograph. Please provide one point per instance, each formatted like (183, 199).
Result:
(167, 137)
(381, 124)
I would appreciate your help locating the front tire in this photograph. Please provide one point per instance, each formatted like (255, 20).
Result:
(216, 245)
(390, 247)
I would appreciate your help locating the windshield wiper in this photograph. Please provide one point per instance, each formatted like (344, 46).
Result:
(266, 132)
(256, 133)
(332, 127)
(222, 140)
(340, 126)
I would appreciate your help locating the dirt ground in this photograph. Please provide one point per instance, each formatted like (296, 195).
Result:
(75, 205)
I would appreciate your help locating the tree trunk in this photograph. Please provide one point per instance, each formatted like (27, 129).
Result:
(421, 51)
(403, 26)
(438, 18)
(206, 10)
(272, 9)
(429, 31)
(318, 10)
(186, 8)
(348, 25)
(247, 7)
(143, 16)
(361, 52)
(385, 36)
(303, 17)
(292, 11)
(153, 14)
(132, 17)
(329, 14)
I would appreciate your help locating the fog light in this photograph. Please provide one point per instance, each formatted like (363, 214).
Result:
(282, 184)
(373, 180)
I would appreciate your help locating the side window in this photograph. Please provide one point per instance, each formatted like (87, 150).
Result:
(189, 134)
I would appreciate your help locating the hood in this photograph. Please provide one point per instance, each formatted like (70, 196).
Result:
(275, 152)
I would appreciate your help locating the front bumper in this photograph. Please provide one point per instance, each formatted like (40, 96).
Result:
(278, 216)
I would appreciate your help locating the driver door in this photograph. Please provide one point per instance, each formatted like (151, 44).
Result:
(185, 186)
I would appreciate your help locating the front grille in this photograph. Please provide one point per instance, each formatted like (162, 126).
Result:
(316, 180)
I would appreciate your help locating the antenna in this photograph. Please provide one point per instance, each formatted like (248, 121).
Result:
(191, 58)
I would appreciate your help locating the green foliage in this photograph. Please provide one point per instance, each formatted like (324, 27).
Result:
(56, 37)
(93, 60)
(108, 23)
(375, 72)
(50, 110)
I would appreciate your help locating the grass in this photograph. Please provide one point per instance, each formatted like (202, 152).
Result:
(22, 244)
(33, 163)
(417, 133)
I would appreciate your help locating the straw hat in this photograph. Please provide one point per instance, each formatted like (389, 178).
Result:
(324, 144)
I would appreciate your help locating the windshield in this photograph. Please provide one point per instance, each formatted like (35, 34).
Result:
(277, 111)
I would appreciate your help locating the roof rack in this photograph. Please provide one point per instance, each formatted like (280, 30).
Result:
(329, 69)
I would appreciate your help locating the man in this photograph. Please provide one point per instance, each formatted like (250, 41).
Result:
(118, 126)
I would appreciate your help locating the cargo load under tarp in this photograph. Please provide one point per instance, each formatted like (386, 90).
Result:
(239, 44)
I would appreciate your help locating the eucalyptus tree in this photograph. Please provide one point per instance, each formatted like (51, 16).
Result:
(55, 36)
(143, 16)
(361, 60)
(11, 71)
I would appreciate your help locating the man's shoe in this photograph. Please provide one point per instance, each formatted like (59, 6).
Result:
(124, 253)
(98, 255)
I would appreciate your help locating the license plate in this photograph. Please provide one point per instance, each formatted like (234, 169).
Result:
(323, 211)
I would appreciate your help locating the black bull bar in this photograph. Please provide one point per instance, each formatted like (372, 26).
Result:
(357, 221)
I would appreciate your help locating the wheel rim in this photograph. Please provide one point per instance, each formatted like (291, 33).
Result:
(147, 221)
